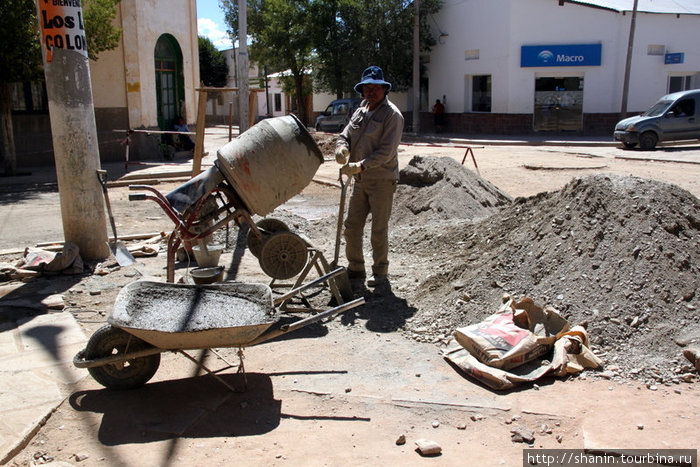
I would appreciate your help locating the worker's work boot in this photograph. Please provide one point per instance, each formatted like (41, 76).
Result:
(378, 280)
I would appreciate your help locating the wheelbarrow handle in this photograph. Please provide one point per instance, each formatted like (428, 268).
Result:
(306, 321)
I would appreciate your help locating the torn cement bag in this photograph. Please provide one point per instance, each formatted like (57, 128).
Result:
(67, 261)
(570, 355)
(518, 333)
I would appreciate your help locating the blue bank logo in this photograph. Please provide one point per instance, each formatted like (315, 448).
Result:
(545, 56)
(560, 55)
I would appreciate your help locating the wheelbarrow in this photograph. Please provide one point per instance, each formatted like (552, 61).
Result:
(150, 318)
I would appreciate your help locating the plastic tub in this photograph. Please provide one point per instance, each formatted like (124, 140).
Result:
(207, 257)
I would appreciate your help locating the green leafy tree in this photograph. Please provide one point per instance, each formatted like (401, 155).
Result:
(349, 35)
(213, 70)
(338, 37)
(21, 54)
(281, 39)
(100, 32)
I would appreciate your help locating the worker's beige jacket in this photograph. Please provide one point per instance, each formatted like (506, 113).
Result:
(373, 139)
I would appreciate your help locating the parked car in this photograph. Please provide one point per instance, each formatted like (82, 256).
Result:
(672, 118)
(337, 114)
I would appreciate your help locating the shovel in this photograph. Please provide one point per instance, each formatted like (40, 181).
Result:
(119, 250)
(342, 280)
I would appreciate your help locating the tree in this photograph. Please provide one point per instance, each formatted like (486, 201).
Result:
(21, 54)
(281, 39)
(338, 37)
(350, 35)
(213, 70)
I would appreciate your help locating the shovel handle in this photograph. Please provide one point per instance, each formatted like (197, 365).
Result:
(100, 177)
(341, 213)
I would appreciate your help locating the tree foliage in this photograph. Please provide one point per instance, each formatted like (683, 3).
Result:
(213, 70)
(345, 37)
(100, 32)
(281, 39)
(19, 33)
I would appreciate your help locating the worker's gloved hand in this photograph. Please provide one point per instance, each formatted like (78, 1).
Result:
(351, 168)
(341, 154)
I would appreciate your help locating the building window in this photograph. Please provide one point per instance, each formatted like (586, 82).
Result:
(680, 83)
(481, 93)
(278, 102)
(28, 97)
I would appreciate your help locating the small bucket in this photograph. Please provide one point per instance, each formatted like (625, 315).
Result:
(202, 276)
(207, 256)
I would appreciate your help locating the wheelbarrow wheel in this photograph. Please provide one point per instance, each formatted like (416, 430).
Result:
(268, 226)
(109, 341)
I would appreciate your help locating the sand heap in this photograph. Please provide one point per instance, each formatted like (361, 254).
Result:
(434, 189)
(620, 254)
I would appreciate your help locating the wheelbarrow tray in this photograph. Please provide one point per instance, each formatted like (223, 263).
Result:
(181, 317)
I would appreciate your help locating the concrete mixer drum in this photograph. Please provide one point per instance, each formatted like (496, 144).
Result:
(270, 163)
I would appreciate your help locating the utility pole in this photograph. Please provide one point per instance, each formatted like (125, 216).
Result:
(628, 64)
(73, 129)
(416, 68)
(243, 88)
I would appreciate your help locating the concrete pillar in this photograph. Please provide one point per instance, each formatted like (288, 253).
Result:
(73, 128)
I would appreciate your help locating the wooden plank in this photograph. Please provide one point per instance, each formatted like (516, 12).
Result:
(199, 137)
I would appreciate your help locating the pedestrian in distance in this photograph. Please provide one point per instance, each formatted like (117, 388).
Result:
(185, 141)
(438, 116)
(367, 149)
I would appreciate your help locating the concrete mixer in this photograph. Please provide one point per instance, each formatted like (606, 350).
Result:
(253, 174)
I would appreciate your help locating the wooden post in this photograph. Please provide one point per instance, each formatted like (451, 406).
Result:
(252, 105)
(199, 136)
(230, 120)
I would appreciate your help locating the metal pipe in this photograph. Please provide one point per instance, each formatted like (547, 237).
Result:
(306, 321)
(308, 285)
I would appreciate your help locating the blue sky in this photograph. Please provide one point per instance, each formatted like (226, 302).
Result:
(210, 23)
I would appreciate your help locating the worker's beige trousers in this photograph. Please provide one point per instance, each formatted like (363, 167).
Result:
(375, 197)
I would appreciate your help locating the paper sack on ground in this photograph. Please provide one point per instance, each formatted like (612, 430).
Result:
(507, 348)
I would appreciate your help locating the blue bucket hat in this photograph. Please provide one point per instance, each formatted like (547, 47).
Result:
(372, 75)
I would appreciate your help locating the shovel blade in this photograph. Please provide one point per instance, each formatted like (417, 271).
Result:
(124, 258)
(342, 281)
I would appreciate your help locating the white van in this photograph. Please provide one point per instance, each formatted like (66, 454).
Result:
(674, 117)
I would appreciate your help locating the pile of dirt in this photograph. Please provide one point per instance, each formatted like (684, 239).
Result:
(433, 189)
(326, 143)
(619, 254)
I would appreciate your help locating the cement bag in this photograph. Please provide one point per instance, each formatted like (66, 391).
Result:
(571, 355)
(518, 333)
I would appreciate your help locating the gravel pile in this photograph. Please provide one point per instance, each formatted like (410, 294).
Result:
(618, 254)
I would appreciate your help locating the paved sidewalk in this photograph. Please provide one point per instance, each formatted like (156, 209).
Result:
(36, 374)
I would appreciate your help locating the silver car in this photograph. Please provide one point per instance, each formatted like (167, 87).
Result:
(337, 114)
(672, 118)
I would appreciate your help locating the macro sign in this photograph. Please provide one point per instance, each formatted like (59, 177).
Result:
(560, 55)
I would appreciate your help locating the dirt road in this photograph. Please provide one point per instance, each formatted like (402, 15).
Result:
(343, 393)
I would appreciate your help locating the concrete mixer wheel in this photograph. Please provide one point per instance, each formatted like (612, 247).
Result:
(267, 227)
(283, 255)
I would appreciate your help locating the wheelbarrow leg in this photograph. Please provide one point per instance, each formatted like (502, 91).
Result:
(217, 377)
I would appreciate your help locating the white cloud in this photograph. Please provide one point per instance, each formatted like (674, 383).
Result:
(214, 32)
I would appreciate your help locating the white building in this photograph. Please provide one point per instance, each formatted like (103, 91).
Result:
(517, 66)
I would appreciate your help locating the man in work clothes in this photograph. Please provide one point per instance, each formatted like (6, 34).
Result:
(367, 148)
